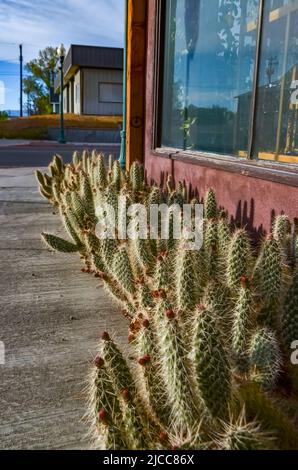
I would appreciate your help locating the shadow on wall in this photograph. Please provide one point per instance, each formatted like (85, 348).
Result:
(244, 214)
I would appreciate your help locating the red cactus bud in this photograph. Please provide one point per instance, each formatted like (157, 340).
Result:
(144, 360)
(102, 275)
(175, 447)
(146, 323)
(269, 237)
(155, 294)
(163, 437)
(170, 314)
(125, 394)
(102, 415)
(162, 293)
(131, 338)
(159, 257)
(98, 362)
(244, 281)
(105, 336)
(201, 307)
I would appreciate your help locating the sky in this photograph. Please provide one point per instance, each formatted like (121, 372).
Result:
(40, 23)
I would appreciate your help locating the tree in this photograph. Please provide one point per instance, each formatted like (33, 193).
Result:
(40, 80)
(3, 116)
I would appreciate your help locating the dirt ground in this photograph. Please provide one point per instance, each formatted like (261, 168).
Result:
(51, 316)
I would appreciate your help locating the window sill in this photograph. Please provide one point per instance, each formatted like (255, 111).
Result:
(271, 171)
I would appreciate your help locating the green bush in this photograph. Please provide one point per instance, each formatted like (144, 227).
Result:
(3, 116)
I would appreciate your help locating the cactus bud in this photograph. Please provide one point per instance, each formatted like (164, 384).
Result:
(102, 415)
(244, 281)
(163, 437)
(144, 360)
(125, 394)
(131, 338)
(170, 314)
(98, 362)
(105, 336)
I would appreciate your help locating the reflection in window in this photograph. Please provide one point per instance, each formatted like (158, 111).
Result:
(209, 67)
(276, 136)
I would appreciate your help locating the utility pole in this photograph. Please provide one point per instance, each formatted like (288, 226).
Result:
(21, 80)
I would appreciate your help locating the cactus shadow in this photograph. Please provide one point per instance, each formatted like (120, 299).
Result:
(244, 217)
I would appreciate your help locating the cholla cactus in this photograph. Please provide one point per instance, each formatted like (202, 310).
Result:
(213, 370)
(199, 340)
(265, 357)
(290, 314)
(59, 244)
(122, 270)
(242, 435)
(268, 270)
(210, 205)
(281, 228)
(186, 281)
(242, 321)
(239, 258)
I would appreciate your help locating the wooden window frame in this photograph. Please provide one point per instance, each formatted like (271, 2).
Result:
(279, 172)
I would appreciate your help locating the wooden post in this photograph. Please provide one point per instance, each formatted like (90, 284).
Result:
(136, 68)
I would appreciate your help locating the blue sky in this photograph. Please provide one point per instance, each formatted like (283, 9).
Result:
(40, 23)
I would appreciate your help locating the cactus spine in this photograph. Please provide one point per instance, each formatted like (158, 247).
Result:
(265, 358)
(212, 367)
(239, 258)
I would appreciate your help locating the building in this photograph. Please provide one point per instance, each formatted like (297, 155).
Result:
(93, 80)
(54, 100)
(212, 99)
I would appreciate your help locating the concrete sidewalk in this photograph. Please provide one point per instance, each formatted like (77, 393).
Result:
(13, 142)
(52, 143)
(50, 320)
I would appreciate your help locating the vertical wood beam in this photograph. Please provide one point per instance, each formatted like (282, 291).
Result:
(136, 71)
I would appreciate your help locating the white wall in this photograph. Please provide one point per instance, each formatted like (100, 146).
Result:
(91, 80)
(66, 99)
(77, 93)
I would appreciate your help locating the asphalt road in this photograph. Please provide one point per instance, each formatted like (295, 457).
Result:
(33, 156)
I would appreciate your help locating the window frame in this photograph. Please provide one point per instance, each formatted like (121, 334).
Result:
(109, 83)
(281, 172)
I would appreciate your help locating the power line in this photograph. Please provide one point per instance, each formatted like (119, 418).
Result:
(17, 44)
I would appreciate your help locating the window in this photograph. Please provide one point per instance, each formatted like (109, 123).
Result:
(213, 92)
(276, 136)
(110, 92)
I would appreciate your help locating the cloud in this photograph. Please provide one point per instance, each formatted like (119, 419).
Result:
(38, 24)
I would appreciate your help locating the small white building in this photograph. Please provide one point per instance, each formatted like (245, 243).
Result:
(93, 80)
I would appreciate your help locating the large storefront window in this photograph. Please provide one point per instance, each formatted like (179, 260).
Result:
(209, 89)
(276, 136)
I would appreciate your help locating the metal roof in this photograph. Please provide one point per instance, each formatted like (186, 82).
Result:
(92, 57)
